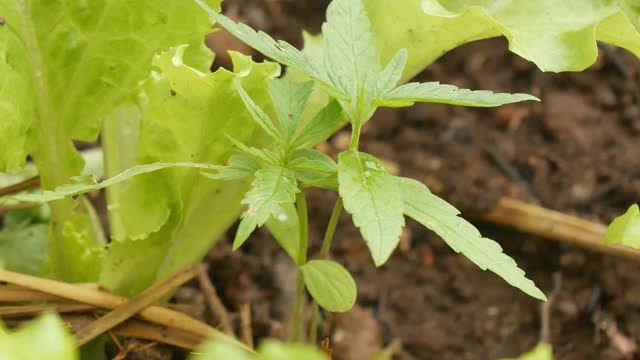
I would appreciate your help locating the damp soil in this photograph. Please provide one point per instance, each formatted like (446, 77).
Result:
(576, 152)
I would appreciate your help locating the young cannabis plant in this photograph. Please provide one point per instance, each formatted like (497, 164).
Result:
(351, 73)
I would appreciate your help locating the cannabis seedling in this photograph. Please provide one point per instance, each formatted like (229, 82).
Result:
(351, 74)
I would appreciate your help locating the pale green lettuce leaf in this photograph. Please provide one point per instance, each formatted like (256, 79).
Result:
(556, 35)
(43, 338)
(374, 200)
(218, 350)
(625, 229)
(442, 218)
(74, 62)
(330, 284)
(274, 350)
(167, 219)
(268, 350)
(542, 351)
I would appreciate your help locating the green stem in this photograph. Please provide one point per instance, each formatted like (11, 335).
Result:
(303, 220)
(331, 229)
(55, 154)
(355, 137)
(324, 254)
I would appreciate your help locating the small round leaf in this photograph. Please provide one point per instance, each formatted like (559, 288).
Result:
(330, 285)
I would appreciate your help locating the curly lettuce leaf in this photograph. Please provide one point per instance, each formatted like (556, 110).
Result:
(67, 65)
(44, 338)
(556, 35)
(164, 220)
(625, 229)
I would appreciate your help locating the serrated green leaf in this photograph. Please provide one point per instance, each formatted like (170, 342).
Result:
(43, 338)
(557, 36)
(351, 55)
(625, 229)
(442, 218)
(330, 284)
(389, 77)
(66, 65)
(321, 126)
(85, 184)
(272, 187)
(373, 198)
(279, 51)
(434, 92)
(542, 351)
(285, 228)
(264, 155)
(260, 117)
(178, 91)
(313, 168)
(289, 99)
(241, 166)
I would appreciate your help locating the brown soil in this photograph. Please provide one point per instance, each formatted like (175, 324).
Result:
(576, 151)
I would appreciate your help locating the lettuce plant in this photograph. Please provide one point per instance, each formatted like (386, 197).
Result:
(137, 73)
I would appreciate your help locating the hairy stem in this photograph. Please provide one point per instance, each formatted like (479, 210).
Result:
(298, 310)
(324, 254)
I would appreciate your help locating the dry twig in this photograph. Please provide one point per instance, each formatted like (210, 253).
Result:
(33, 310)
(215, 305)
(28, 184)
(554, 225)
(133, 306)
(155, 314)
(245, 324)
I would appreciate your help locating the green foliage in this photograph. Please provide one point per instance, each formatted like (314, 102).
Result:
(625, 229)
(439, 216)
(23, 241)
(374, 199)
(268, 350)
(43, 338)
(66, 65)
(330, 285)
(542, 351)
(272, 187)
(169, 213)
(351, 71)
(84, 184)
(559, 40)
(434, 92)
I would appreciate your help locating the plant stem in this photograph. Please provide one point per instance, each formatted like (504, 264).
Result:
(355, 137)
(324, 254)
(331, 229)
(303, 220)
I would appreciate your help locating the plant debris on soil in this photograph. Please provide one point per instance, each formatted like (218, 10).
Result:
(576, 152)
